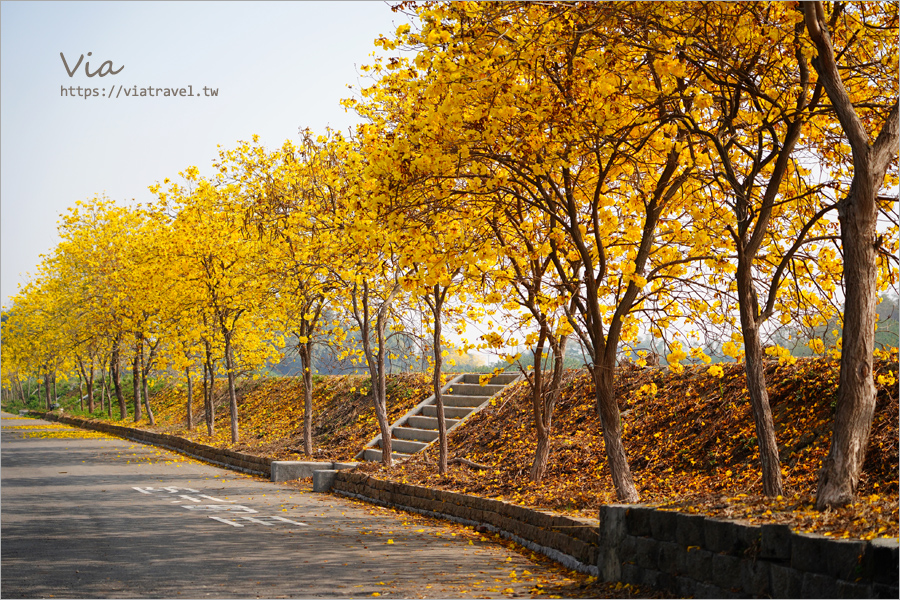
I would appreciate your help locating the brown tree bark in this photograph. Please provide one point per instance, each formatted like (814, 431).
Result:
(117, 381)
(603, 375)
(436, 304)
(89, 379)
(361, 297)
(190, 400)
(857, 213)
(208, 388)
(47, 391)
(145, 368)
(136, 385)
(755, 375)
(305, 351)
(232, 393)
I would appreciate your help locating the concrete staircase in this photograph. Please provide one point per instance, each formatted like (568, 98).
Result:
(416, 430)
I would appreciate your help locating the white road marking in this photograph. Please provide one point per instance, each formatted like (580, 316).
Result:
(219, 507)
(221, 520)
(252, 520)
(215, 499)
(143, 490)
(192, 499)
(289, 521)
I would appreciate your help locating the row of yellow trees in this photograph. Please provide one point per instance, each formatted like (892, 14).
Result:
(592, 171)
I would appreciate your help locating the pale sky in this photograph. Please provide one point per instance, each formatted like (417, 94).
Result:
(277, 66)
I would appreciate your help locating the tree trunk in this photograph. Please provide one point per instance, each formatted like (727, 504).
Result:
(232, 394)
(146, 387)
(438, 365)
(208, 385)
(90, 388)
(604, 375)
(855, 405)
(857, 213)
(47, 391)
(80, 390)
(190, 399)
(117, 382)
(105, 404)
(305, 351)
(754, 372)
(541, 430)
(136, 386)
(55, 394)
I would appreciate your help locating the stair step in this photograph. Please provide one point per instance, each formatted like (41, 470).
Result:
(473, 389)
(374, 455)
(502, 379)
(430, 423)
(413, 433)
(457, 400)
(405, 446)
(450, 412)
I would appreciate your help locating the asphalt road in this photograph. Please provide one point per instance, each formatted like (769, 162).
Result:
(101, 517)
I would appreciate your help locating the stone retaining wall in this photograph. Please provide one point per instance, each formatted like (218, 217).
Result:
(568, 540)
(246, 463)
(695, 555)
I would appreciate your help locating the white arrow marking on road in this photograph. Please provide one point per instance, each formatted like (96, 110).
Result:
(232, 523)
(188, 498)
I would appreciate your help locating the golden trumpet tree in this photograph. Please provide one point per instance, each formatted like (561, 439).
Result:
(869, 35)
(221, 263)
(549, 105)
(747, 97)
(286, 189)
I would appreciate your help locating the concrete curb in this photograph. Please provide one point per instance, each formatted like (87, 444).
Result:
(288, 470)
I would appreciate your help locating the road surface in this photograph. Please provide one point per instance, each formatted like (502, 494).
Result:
(90, 516)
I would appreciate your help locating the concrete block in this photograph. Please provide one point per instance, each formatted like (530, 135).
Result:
(667, 559)
(646, 553)
(727, 536)
(695, 564)
(841, 559)
(341, 466)
(880, 590)
(608, 564)
(662, 525)
(323, 480)
(288, 470)
(631, 573)
(847, 589)
(637, 519)
(755, 578)
(726, 571)
(784, 581)
(819, 586)
(613, 524)
(884, 561)
(689, 529)
(775, 542)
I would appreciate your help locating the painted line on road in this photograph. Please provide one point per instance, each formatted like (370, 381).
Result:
(219, 507)
(230, 522)
(289, 521)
